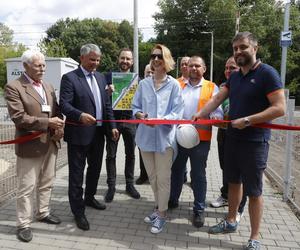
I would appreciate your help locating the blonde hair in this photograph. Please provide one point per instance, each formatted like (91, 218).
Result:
(167, 57)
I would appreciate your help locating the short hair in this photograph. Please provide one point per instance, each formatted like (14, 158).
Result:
(198, 57)
(28, 55)
(167, 56)
(145, 70)
(184, 58)
(246, 34)
(127, 50)
(88, 48)
(231, 58)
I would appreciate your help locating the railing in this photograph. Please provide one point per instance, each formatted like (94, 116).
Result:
(8, 178)
(284, 157)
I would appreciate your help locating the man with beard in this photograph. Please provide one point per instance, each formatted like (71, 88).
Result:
(125, 62)
(256, 96)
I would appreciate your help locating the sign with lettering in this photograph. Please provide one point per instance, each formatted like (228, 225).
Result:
(125, 87)
(286, 38)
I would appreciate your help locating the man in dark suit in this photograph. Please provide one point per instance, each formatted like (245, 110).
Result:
(83, 100)
(32, 106)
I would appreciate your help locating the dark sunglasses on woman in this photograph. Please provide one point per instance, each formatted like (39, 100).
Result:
(159, 56)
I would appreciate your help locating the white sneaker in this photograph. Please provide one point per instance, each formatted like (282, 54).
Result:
(151, 218)
(239, 217)
(158, 225)
(220, 202)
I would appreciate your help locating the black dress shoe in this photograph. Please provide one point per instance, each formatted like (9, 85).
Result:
(82, 222)
(141, 180)
(198, 219)
(132, 192)
(95, 204)
(172, 204)
(24, 234)
(109, 196)
(51, 219)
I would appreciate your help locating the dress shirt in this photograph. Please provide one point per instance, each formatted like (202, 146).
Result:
(163, 103)
(92, 82)
(38, 88)
(191, 95)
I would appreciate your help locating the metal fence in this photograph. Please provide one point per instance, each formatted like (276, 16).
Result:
(284, 157)
(8, 179)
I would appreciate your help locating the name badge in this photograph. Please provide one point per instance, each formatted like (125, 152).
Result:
(46, 108)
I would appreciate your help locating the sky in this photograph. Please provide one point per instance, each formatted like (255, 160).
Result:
(29, 19)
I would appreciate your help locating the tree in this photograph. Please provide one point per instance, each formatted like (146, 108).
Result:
(293, 58)
(53, 48)
(6, 35)
(180, 23)
(8, 49)
(70, 34)
(144, 55)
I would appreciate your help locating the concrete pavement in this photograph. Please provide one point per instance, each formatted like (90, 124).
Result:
(121, 225)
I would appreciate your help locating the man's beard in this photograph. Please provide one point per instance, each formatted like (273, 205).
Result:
(242, 61)
(124, 66)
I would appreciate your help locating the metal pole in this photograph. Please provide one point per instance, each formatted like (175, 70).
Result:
(177, 67)
(212, 56)
(284, 48)
(135, 38)
(211, 53)
(288, 150)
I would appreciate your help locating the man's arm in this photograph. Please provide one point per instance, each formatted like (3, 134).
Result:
(276, 109)
(212, 104)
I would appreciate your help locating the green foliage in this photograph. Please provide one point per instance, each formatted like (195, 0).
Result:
(180, 23)
(8, 49)
(180, 26)
(293, 58)
(67, 36)
(5, 53)
(53, 48)
(144, 56)
(6, 35)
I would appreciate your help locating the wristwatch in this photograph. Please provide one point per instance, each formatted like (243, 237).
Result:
(247, 122)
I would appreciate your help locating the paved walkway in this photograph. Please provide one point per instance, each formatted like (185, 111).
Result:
(121, 225)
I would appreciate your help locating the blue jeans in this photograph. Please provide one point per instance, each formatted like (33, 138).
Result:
(198, 157)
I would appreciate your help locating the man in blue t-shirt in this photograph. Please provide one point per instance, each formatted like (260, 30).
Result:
(256, 96)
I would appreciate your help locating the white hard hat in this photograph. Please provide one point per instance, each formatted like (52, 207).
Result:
(187, 136)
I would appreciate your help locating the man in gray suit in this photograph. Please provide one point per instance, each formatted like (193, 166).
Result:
(33, 107)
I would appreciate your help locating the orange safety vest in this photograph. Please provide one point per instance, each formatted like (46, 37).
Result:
(206, 93)
(180, 80)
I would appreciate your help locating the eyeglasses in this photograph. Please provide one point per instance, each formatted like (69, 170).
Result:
(159, 56)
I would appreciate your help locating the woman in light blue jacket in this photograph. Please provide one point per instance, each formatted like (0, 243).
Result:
(158, 97)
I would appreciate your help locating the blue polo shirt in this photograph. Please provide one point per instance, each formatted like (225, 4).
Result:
(248, 95)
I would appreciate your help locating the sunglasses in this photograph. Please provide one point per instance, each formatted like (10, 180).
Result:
(159, 56)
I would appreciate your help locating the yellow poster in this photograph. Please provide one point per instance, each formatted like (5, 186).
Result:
(125, 87)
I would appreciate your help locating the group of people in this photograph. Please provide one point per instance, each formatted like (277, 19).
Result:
(253, 89)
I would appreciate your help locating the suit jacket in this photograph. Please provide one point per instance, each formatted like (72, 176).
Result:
(25, 108)
(76, 98)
